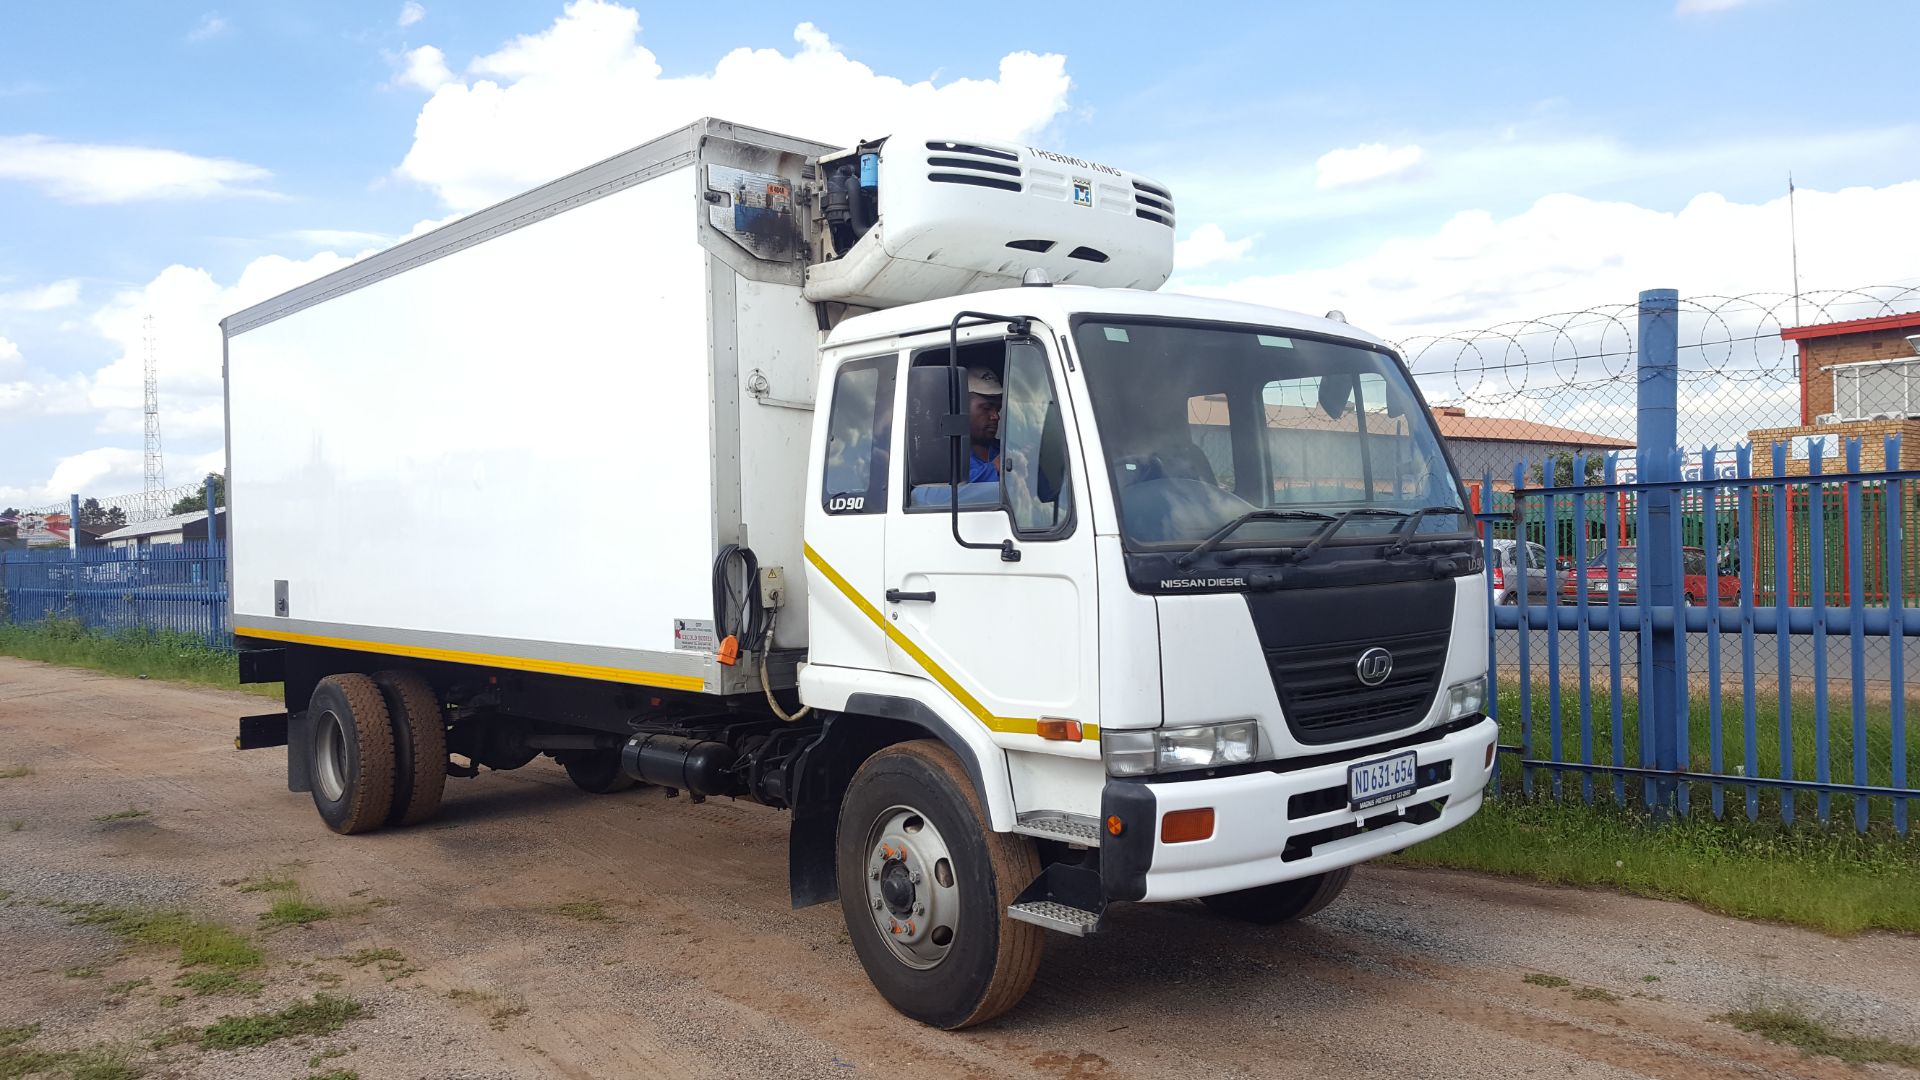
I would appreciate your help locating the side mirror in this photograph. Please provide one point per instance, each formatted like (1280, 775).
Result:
(934, 424)
(1336, 390)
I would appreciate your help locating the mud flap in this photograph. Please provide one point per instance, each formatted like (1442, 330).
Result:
(810, 843)
(299, 752)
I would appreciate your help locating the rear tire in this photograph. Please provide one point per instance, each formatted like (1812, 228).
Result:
(351, 752)
(915, 851)
(419, 746)
(1282, 902)
(597, 772)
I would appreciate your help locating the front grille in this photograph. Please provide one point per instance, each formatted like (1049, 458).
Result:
(1325, 701)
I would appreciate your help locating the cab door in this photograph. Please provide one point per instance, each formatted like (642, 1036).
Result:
(846, 518)
(1004, 616)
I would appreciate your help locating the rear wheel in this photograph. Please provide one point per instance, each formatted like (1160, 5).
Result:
(419, 746)
(352, 753)
(1283, 901)
(925, 884)
(597, 772)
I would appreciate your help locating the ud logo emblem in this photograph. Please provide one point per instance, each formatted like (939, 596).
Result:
(1374, 666)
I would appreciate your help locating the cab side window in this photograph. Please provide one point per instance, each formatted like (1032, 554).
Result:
(859, 437)
(1033, 447)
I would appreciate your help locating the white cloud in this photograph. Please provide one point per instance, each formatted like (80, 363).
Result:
(340, 239)
(585, 88)
(411, 12)
(1365, 164)
(9, 353)
(1707, 7)
(211, 25)
(1206, 245)
(48, 297)
(1568, 253)
(104, 173)
(426, 68)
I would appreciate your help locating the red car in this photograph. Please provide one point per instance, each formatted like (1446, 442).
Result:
(1693, 578)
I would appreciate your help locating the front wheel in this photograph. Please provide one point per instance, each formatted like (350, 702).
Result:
(1283, 901)
(925, 884)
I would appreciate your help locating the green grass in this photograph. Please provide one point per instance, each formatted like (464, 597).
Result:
(323, 1014)
(85, 972)
(14, 1036)
(218, 984)
(167, 655)
(584, 910)
(1792, 1027)
(201, 943)
(1551, 982)
(15, 772)
(123, 815)
(335, 1074)
(92, 1063)
(1801, 741)
(293, 911)
(1832, 880)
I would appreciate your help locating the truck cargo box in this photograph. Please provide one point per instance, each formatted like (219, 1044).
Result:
(521, 440)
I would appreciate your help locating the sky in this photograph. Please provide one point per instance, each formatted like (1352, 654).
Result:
(1425, 168)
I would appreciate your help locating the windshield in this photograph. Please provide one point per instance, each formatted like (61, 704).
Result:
(1205, 422)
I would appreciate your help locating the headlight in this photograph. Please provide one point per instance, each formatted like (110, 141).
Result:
(1138, 753)
(1467, 698)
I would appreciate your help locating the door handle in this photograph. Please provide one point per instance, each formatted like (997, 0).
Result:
(894, 596)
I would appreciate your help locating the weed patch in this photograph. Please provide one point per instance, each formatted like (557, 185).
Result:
(323, 1014)
(128, 986)
(392, 963)
(92, 1063)
(1595, 993)
(14, 1036)
(123, 815)
(201, 943)
(1790, 1026)
(218, 984)
(1550, 981)
(293, 911)
(84, 972)
(584, 911)
(15, 772)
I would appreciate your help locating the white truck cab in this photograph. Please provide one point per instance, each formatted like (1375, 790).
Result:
(1032, 590)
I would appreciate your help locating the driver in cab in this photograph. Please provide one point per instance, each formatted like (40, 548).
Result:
(985, 396)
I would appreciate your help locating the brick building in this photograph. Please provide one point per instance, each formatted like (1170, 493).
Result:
(1859, 379)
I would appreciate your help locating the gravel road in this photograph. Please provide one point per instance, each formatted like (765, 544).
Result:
(550, 933)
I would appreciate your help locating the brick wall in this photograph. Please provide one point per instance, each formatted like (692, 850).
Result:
(1872, 435)
(1817, 355)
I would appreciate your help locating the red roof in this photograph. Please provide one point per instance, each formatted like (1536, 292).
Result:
(1454, 423)
(1907, 321)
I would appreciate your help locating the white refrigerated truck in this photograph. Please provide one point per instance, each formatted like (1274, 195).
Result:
(874, 484)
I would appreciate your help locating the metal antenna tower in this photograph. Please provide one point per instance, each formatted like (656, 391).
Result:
(156, 465)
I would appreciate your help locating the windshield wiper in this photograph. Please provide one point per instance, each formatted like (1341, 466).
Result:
(1220, 535)
(1407, 528)
(1326, 531)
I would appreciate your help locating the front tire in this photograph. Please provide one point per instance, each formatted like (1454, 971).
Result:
(925, 884)
(352, 753)
(1282, 902)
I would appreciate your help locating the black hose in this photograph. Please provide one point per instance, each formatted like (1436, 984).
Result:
(741, 614)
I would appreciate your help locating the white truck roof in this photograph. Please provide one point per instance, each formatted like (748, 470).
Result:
(1056, 304)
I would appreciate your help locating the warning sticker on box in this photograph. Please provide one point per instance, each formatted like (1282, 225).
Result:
(694, 635)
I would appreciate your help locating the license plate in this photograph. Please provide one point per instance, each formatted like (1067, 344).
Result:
(1374, 782)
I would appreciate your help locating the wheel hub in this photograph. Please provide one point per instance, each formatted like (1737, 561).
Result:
(911, 890)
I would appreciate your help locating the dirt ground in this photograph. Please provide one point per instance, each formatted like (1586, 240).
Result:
(545, 932)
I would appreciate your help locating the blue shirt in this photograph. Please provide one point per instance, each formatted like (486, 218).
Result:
(983, 472)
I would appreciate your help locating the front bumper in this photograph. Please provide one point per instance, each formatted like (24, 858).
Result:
(1277, 826)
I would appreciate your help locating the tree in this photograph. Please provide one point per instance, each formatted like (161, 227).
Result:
(92, 513)
(9, 524)
(1563, 470)
(198, 500)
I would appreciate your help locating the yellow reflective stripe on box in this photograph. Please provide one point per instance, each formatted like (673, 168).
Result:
(1010, 724)
(458, 656)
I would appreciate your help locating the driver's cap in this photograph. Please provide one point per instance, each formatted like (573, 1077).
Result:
(984, 381)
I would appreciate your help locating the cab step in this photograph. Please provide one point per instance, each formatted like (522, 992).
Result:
(1053, 915)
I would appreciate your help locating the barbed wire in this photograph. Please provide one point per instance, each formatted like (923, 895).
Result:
(133, 507)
